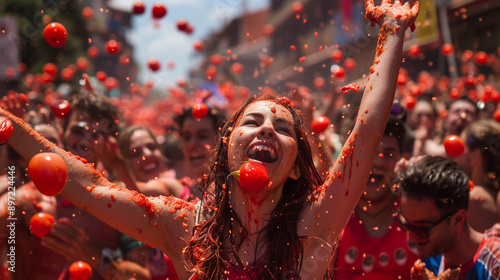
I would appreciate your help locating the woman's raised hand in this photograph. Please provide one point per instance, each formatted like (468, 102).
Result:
(404, 14)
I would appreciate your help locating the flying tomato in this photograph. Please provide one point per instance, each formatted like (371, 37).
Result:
(481, 58)
(80, 271)
(320, 124)
(112, 47)
(48, 172)
(454, 145)
(138, 8)
(447, 49)
(6, 129)
(199, 111)
(60, 108)
(159, 11)
(153, 64)
(40, 224)
(55, 34)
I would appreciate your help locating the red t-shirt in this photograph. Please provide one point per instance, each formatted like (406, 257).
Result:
(361, 256)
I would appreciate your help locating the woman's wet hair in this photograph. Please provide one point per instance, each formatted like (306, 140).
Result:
(214, 241)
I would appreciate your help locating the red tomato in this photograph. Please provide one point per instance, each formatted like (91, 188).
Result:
(198, 46)
(50, 68)
(87, 13)
(454, 93)
(55, 34)
(268, 29)
(216, 59)
(410, 102)
(41, 223)
(154, 64)
(82, 64)
(237, 68)
(319, 82)
(182, 24)
(67, 74)
(138, 8)
(297, 7)
(414, 50)
(447, 49)
(481, 58)
(112, 47)
(337, 55)
(495, 96)
(199, 111)
(189, 29)
(47, 78)
(454, 146)
(101, 76)
(470, 80)
(496, 115)
(339, 72)
(320, 124)
(60, 108)
(124, 59)
(498, 51)
(6, 129)
(349, 64)
(402, 79)
(211, 72)
(111, 83)
(80, 271)
(159, 11)
(149, 84)
(48, 172)
(253, 176)
(93, 52)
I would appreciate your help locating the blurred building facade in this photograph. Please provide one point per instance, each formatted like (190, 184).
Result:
(293, 40)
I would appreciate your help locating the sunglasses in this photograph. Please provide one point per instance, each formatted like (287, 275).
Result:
(420, 231)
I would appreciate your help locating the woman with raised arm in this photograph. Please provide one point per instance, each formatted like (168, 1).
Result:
(286, 229)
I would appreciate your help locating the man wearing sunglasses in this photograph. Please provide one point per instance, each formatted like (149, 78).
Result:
(434, 199)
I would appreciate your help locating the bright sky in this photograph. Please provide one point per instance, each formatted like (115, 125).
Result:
(166, 43)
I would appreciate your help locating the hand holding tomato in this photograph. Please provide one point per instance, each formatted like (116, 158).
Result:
(48, 172)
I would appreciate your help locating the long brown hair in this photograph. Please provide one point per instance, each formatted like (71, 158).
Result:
(206, 255)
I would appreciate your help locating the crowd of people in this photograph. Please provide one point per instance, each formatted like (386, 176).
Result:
(374, 196)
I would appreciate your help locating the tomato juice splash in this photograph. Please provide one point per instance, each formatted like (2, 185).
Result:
(352, 86)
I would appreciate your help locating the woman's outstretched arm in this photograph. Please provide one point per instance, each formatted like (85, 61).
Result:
(348, 177)
(160, 222)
